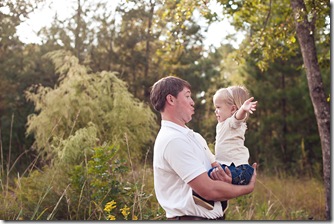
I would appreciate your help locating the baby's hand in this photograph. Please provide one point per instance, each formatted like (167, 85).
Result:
(249, 106)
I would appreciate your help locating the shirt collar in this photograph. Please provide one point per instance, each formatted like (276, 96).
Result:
(184, 130)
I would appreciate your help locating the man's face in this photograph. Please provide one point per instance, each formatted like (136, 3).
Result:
(184, 105)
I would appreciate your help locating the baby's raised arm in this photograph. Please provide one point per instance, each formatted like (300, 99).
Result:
(247, 106)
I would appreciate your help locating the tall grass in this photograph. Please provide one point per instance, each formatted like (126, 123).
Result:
(274, 198)
(277, 198)
(52, 195)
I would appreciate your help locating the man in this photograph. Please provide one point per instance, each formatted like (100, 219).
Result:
(180, 163)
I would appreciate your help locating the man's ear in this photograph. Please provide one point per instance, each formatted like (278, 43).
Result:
(170, 98)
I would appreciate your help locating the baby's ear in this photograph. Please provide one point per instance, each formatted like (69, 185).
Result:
(234, 108)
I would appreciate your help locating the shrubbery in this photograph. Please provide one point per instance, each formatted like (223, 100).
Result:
(84, 129)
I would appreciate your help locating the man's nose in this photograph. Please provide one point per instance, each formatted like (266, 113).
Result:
(192, 102)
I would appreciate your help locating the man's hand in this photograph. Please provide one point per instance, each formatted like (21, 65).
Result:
(223, 189)
(219, 174)
(253, 180)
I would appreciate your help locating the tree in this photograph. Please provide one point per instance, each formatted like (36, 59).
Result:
(86, 102)
(273, 27)
(304, 30)
(276, 139)
(15, 68)
(217, 71)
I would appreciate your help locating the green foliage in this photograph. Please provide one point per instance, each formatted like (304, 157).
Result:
(88, 120)
(77, 147)
(210, 74)
(86, 192)
(274, 133)
(38, 194)
(9, 208)
(100, 180)
(80, 192)
(81, 100)
(83, 111)
(105, 179)
(17, 70)
(271, 29)
(274, 136)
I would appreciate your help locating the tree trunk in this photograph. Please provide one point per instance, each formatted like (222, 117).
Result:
(286, 154)
(148, 39)
(77, 40)
(148, 51)
(305, 35)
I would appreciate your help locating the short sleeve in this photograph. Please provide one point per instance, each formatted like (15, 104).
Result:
(183, 159)
(212, 157)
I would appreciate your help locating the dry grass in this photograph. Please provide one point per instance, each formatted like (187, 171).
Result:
(277, 198)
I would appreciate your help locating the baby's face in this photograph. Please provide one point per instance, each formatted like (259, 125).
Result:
(222, 110)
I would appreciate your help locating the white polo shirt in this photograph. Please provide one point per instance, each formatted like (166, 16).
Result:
(179, 156)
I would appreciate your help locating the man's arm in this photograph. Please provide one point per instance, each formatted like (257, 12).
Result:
(220, 190)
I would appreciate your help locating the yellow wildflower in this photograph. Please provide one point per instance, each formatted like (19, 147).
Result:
(111, 217)
(125, 211)
(134, 217)
(110, 206)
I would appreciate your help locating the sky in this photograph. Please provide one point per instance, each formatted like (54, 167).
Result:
(43, 16)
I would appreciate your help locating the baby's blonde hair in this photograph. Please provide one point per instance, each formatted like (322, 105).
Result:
(233, 95)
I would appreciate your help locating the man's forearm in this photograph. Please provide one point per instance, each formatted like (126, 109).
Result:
(224, 191)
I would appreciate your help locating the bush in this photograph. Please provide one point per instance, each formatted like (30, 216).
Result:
(99, 181)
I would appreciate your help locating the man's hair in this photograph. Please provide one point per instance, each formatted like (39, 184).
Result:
(163, 87)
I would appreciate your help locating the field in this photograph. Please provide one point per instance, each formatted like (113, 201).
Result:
(276, 198)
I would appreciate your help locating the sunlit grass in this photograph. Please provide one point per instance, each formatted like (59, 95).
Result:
(276, 198)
